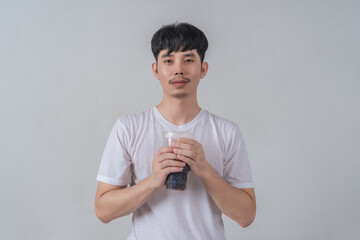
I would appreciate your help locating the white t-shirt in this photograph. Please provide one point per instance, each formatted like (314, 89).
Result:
(170, 214)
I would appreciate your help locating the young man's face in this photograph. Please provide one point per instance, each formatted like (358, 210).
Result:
(179, 72)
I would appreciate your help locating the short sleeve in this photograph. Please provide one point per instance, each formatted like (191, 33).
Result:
(237, 171)
(115, 166)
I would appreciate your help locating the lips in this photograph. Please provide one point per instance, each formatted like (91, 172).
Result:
(179, 82)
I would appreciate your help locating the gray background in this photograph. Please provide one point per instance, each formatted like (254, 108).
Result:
(287, 72)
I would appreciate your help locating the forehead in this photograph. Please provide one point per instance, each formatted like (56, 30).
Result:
(188, 53)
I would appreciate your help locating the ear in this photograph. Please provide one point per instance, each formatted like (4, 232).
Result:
(155, 70)
(204, 69)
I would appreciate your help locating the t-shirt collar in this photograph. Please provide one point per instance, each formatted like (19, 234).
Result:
(183, 127)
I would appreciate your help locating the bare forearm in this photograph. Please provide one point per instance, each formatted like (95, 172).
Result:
(121, 202)
(233, 202)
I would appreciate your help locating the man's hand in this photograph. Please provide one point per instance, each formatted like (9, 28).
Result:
(192, 153)
(164, 162)
(238, 204)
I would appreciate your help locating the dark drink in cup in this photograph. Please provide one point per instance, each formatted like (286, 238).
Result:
(178, 180)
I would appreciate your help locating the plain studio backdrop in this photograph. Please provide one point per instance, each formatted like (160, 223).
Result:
(287, 72)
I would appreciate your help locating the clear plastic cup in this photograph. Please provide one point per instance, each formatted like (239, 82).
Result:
(178, 180)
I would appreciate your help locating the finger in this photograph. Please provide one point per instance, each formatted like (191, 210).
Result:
(164, 150)
(182, 145)
(185, 159)
(171, 163)
(186, 153)
(173, 169)
(188, 141)
(166, 156)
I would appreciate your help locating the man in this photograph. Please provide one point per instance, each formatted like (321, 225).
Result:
(220, 178)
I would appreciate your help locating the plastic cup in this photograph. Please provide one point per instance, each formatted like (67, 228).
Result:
(177, 180)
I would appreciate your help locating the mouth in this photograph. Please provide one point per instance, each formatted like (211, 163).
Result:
(179, 82)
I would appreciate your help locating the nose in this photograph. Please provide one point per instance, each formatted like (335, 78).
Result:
(178, 69)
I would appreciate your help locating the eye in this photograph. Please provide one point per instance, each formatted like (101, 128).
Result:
(189, 60)
(167, 61)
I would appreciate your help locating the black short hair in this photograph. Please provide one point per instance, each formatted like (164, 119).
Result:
(179, 35)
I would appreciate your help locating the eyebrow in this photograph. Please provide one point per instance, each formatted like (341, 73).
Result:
(189, 55)
(170, 55)
(166, 55)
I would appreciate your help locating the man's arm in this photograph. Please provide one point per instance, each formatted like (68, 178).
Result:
(238, 204)
(112, 202)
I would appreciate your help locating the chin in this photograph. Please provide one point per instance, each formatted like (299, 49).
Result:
(180, 95)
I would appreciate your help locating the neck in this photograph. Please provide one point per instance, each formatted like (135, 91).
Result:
(179, 111)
